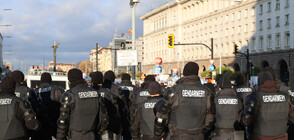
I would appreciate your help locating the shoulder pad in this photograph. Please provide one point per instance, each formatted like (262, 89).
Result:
(66, 98)
(25, 104)
(169, 95)
(291, 97)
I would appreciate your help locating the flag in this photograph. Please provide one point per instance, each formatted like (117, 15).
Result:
(130, 31)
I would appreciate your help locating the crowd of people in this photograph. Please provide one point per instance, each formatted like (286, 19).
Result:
(188, 110)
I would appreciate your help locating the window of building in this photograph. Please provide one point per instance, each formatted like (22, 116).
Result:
(260, 9)
(239, 29)
(233, 16)
(227, 31)
(269, 6)
(239, 15)
(278, 40)
(227, 18)
(260, 46)
(253, 44)
(278, 21)
(277, 5)
(260, 25)
(246, 13)
(287, 3)
(269, 41)
(287, 19)
(246, 28)
(287, 39)
(253, 11)
(269, 23)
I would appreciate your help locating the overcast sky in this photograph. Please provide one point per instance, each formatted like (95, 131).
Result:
(77, 25)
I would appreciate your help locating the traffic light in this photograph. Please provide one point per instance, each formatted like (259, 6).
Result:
(235, 49)
(171, 41)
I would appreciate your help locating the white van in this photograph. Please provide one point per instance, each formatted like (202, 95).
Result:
(33, 80)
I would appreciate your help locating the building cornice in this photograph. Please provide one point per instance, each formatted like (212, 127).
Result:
(206, 16)
(159, 9)
(218, 12)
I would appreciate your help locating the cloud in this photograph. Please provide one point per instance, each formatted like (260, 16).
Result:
(77, 25)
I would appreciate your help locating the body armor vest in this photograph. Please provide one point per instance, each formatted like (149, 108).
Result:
(273, 115)
(10, 126)
(21, 91)
(147, 122)
(50, 97)
(141, 96)
(191, 110)
(243, 92)
(84, 116)
(227, 108)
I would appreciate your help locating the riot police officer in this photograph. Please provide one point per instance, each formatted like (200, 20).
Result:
(268, 111)
(50, 96)
(282, 87)
(97, 80)
(242, 90)
(126, 88)
(17, 115)
(144, 116)
(140, 95)
(110, 102)
(82, 113)
(21, 90)
(187, 108)
(228, 109)
(112, 97)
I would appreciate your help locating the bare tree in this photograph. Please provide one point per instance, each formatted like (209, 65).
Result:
(86, 67)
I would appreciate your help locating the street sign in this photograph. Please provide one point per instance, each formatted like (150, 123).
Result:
(211, 61)
(157, 69)
(127, 58)
(157, 60)
(211, 67)
(175, 70)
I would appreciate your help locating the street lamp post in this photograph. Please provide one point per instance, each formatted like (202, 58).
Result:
(133, 5)
(97, 46)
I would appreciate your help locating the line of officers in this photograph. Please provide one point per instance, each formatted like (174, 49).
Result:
(186, 111)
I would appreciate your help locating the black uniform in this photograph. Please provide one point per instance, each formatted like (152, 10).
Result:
(268, 110)
(187, 108)
(243, 91)
(139, 97)
(126, 88)
(143, 122)
(50, 98)
(112, 108)
(22, 91)
(16, 114)
(228, 110)
(82, 113)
